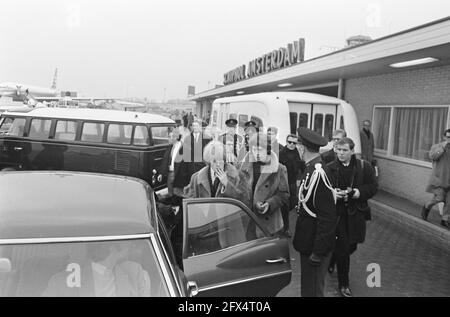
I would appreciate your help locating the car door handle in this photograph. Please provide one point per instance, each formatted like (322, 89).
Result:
(279, 260)
(18, 148)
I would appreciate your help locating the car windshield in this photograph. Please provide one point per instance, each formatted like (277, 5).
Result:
(99, 269)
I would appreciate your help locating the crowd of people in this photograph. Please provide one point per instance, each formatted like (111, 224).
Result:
(329, 191)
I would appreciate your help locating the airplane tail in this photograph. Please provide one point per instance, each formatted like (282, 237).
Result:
(55, 78)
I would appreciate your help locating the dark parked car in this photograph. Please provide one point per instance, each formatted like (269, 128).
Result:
(87, 140)
(85, 234)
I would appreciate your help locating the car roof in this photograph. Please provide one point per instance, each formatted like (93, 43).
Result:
(96, 114)
(41, 204)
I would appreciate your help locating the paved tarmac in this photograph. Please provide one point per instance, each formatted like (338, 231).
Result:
(410, 265)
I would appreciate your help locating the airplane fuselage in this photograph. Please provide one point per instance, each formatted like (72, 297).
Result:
(15, 89)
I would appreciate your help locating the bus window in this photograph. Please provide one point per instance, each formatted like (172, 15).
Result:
(92, 132)
(160, 135)
(65, 130)
(318, 123)
(258, 121)
(232, 116)
(243, 118)
(293, 120)
(141, 135)
(40, 128)
(303, 122)
(119, 133)
(214, 118)
(329, 122)
(341, 125)
(13, 126)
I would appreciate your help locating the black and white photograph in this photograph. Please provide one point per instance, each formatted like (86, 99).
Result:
(242, 151)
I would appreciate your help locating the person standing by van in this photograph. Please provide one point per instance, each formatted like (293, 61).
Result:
(250, 128)
(272, 132)
(315, 229)
(295, 166)
(439, 183)
(231, 135)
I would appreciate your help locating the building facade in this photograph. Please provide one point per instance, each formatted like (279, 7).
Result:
(400, 82)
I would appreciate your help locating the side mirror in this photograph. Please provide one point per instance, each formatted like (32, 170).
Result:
(193, 288)
(5, 265)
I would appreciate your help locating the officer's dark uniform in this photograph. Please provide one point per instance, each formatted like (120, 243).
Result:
(315, 237)
(236, 138)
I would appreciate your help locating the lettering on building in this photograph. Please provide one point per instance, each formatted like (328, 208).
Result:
(283, 57)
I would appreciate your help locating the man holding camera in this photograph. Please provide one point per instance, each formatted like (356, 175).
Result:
(355, 183)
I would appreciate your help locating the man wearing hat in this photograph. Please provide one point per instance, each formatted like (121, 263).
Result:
(230, 136)
(314, 236)
(250, 128)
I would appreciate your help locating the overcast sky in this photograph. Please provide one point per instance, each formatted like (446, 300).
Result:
(155, 49)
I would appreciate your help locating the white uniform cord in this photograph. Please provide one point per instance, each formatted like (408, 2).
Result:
(317, 175)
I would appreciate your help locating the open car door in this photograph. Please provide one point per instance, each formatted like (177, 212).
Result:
(227, 252)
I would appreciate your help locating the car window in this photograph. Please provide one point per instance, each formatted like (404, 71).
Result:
(12, 126)
(40, 128)
(160, 135)
(112, 268)
(119, 133)
(92, 132)
(65, 130)
(141, 136)
(216, 226)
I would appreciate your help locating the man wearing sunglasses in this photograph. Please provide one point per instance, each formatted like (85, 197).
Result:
(439, 184)
(290, 157)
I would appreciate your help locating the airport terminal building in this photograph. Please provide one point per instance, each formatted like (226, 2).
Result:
(400, 82)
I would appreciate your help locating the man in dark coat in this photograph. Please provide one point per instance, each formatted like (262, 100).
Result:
(355, 183)
(290, 158)
(190, 158)
(367, 142)
(315, 229)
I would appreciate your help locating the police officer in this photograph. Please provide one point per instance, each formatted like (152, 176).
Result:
(250, 128)
(230, 135)
(314, 236)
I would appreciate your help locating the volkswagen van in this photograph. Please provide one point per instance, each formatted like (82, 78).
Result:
(89, 140)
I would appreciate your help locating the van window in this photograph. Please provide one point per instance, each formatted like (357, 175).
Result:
(329, 122)
(215, 117)
(293, 120)
(318, 123)
(258, 121)
(243, 118)
(303, 122)
(232, 116)
(65, 130)
(13, 126)
(119, 133)
(40, 128)
(141, 135)
(341, 125)
(160, 135)
(92, 132)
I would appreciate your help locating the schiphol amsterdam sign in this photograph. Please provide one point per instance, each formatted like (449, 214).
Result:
(285, 56)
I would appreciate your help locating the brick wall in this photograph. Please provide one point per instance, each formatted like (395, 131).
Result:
(428, 86)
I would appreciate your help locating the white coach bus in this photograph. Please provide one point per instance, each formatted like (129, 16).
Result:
(288, 111)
